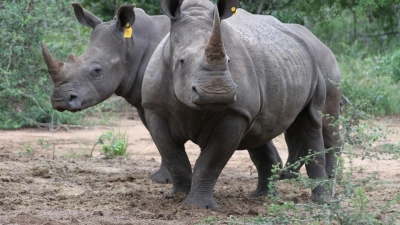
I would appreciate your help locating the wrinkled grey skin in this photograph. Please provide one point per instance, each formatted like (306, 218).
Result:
(121, 61)
(332, 76)
(239, 93)
(331, 72)
(111, 64)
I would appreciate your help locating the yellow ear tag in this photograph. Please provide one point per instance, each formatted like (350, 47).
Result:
(128, 31)
(233, 9)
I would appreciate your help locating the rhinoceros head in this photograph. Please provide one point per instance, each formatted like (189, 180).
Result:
(94, 76)
(198, 58)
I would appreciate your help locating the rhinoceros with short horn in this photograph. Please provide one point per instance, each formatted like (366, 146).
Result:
(112, 63)
(230, 85)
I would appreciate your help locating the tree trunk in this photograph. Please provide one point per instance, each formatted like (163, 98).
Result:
(260, 7)
(394, 7)
(355, 33)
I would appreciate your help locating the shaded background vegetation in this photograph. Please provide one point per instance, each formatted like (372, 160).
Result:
(363, 34)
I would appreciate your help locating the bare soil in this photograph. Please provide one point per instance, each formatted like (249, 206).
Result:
(73, 189)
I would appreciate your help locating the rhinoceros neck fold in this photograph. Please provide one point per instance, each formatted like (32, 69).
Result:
(139, 51)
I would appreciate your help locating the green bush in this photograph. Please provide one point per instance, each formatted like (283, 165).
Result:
(371, 79)
(113, 144)
(24, 83)
(353, 202)
(395, 63)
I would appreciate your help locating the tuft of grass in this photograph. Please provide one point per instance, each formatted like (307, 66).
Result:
(28, 150)
(113, 144)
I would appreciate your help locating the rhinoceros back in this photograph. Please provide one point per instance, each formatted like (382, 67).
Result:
(283, 64)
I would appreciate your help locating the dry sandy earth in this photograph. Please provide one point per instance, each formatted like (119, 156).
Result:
(71, 189)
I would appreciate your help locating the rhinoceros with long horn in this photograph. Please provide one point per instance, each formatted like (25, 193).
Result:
(230, 85)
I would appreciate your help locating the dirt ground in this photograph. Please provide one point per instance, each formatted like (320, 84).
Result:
(72, 189)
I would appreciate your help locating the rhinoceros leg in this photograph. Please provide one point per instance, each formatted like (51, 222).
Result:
(305, 134)
(330, 130)
(162, 175)
(215, 153)
(172, 152)
(292, 167)
(264, 158)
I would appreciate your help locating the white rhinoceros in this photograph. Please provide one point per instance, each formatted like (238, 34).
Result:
(113, 63)
(231, 85)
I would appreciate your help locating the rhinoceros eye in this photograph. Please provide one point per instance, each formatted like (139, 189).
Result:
(182, 61)
(95, 71)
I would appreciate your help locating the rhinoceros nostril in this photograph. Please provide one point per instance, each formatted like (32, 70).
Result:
(72, 97)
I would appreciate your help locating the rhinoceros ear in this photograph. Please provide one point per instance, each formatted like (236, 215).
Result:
(125, 17)
(227, 8)
(172, 8)
(85, 17)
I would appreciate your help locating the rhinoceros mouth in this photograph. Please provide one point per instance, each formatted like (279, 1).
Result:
(212, 107)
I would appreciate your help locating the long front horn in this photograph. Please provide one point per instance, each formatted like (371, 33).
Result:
(53, 65)
(215, 49)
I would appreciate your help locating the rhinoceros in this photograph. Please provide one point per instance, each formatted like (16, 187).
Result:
(230, 85)
(112, 64)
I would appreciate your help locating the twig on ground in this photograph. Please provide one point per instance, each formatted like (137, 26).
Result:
(52, 134)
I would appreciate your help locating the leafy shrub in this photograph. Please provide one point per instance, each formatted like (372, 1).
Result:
(24, 84)
(395, 63)
(113, 144)
(107, 9)
(370, 80)
(352, 203)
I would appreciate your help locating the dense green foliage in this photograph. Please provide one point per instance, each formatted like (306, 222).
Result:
(24, 85)
(363, 34)
(107, 9)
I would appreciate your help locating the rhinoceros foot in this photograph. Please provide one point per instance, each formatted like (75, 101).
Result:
(262, 192)
(202, 202)
(162, 176)
(321, 195)
(286, 175)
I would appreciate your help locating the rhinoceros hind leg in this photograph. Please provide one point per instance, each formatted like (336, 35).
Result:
(305, 135)
(330, 130)
(264, 158)
(162, 175)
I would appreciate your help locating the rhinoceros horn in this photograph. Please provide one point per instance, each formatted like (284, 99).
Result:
(215, 50)
(53, 65)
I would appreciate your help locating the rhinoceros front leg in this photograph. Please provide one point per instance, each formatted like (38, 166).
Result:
(264, 158)
(172, 152)
(162, 175)
(221, 144)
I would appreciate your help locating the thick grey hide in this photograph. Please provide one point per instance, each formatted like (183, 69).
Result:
(280, 87)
